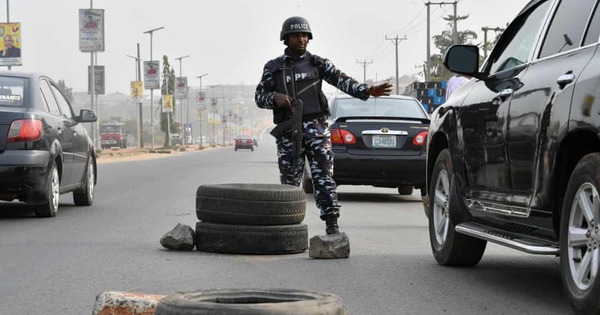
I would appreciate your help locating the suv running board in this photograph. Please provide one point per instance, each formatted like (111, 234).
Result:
(512, 240)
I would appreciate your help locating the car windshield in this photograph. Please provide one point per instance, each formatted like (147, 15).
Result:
(12, 91)
(110, 129)
(378, 107)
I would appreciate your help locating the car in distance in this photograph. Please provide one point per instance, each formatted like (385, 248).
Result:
(113, 134)
(513, 156)
(45, 150)
(244, 142)
(379, 142)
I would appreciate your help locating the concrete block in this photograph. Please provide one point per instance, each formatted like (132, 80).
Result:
(125, 303)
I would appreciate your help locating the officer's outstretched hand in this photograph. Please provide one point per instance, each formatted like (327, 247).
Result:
(383, 89)
(283, 101)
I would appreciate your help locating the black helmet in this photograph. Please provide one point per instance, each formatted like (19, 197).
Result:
(295, 24)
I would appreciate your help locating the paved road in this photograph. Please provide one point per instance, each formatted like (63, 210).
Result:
(59, 265)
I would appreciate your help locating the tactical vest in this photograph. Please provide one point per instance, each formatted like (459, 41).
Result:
(308, 87)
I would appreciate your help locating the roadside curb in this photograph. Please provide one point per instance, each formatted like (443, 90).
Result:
(125, 303)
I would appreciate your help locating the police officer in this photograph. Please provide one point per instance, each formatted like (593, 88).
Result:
(276, 91)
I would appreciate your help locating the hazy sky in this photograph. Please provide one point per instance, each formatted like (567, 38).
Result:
(231, 40)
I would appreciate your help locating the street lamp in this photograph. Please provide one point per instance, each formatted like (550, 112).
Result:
(181, 103)
(201, 146)
(152, 90)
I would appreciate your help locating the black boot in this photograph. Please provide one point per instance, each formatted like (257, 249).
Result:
(331, 225)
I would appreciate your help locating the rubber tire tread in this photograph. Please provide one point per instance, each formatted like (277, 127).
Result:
(250, 204)
(458, 250)
(250, 302)
(588, 301)
(249, 239)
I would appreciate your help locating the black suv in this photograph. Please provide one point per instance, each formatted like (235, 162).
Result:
(514, 154)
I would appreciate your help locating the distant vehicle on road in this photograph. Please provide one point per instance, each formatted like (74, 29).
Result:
(244, 142)
(113, 134)
(44, 149)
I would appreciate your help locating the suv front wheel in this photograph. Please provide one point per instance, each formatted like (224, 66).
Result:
(449, 248)
(580, 237)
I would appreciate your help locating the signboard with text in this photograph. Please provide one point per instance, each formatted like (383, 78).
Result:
(91, 30)
(152, 74)
(10, 47)
(137, 92)
(167, 103)
(98, 79)
(181, 87)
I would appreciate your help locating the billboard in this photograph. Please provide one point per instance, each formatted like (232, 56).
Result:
(181, 87)
(10, 54)
(137, 92)
(201, 100)
(167, 103)
(152, 74)
(91, 30)
(98, 79)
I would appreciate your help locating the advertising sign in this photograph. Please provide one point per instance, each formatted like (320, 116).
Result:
(98, 79)
(201, 100)
(137, 92)
(91, 30)
(152, 74)
(181, 87)
(10, 54)
(167, 103)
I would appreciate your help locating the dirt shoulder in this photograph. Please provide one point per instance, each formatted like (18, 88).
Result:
(125, 155)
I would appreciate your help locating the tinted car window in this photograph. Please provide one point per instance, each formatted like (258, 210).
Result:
(49, 97)
(515, 48)
(12, 91)
(567, 27)
(383, 107)
(62, 102)
(593, 31)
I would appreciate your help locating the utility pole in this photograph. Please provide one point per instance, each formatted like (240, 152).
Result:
(454, 31)
(485, 29)
(364, 63)
(397, 40)
(183, 134)
(201, 146)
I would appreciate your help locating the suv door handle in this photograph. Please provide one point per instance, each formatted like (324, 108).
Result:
(502, 95)
(565, 79)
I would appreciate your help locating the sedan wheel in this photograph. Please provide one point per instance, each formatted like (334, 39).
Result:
(85, 196)
(580, 237)
(53, 192)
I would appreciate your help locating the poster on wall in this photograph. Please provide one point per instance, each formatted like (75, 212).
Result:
(91, 30)
(10, 53)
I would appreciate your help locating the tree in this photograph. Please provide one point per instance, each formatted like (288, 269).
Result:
(67, 91)
(168, 88)
(437, 70)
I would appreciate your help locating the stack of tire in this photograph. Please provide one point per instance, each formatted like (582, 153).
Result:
(251, 219)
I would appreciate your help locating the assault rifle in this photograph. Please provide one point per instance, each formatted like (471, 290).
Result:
(295, 123)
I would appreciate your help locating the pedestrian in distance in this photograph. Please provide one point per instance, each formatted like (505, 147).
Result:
(300, 73)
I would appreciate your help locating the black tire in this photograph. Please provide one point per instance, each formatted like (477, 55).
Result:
(250, 302)
(85, 195)
(251, 239)
(250, 204)
(52, 188)
(579, 234)
(449, 248)
(405, 190)
(307, 184)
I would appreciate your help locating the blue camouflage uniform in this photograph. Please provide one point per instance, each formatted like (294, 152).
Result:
(309, 71)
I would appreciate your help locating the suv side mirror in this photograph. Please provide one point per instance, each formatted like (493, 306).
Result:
(86, 115)
(463, 59)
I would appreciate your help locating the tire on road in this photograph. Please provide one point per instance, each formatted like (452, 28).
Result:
(579, 234)
(52, 187)
(250, 204)
(449, 248)
(85, 195)
(251, 302)
(251, 239)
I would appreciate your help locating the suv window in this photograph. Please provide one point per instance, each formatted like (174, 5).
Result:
(515, 48)
(593, 31)
(567, 27)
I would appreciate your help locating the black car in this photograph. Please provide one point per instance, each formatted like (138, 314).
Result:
(44, 149)
(513, 156)
(379, 142)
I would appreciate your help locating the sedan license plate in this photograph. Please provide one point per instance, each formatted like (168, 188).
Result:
(384, 141)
